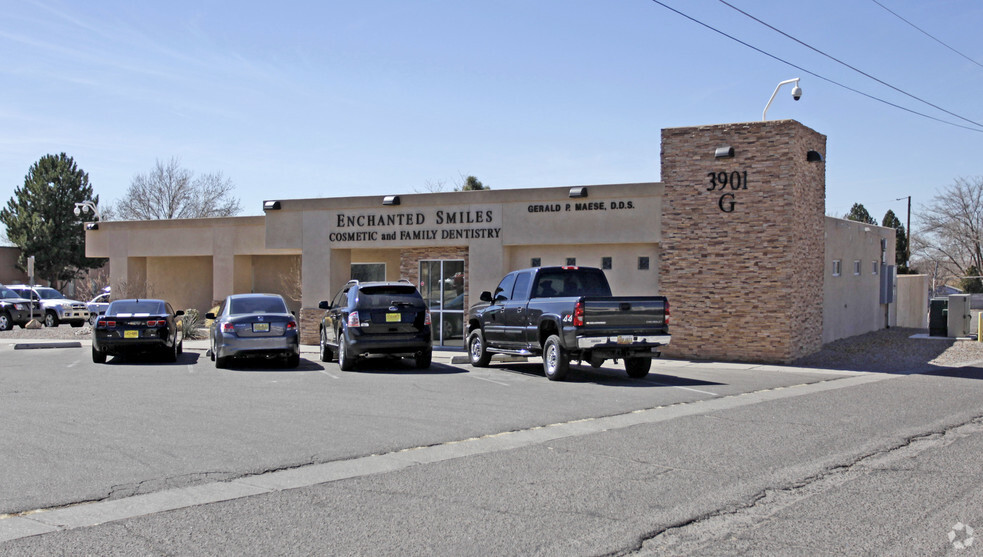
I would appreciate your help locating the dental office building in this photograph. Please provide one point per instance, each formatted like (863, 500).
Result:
(734, 235)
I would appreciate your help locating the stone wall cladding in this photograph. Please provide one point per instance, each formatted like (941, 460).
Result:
(409, 268)
(745, 285)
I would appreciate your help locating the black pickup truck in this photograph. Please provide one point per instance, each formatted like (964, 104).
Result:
(564, 313)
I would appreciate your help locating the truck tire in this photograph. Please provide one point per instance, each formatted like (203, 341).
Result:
(638, 368)
(556, 362)
(477, 351)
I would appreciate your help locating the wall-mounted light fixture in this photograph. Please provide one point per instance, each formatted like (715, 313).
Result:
(271, 205)
(92, 226)
(578, 191)
(724, 152)
(390, 200)
(814, 156)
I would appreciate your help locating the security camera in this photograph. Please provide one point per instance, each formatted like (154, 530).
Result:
(796, 92)
(77, 211)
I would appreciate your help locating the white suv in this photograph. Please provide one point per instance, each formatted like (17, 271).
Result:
(54, 305)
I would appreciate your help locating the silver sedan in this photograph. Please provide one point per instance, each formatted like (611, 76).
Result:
(254, 326)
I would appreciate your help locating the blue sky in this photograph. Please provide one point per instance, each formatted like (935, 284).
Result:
(330, 99)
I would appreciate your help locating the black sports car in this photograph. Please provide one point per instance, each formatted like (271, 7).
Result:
(133, 326)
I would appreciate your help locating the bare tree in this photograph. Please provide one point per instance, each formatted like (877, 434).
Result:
(172, 192)
(951, 233)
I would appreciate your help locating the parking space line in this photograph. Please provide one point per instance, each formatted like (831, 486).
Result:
(328, 374)
(473, 376)
(684, 388)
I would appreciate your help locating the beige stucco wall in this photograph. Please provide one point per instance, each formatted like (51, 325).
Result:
(912, 303)
(189, 262)
(624, 276)
(851, 302)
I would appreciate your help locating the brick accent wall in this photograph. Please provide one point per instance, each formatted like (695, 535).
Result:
(743, 285)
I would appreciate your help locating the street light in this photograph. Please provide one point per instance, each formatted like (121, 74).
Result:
(85, 207)
(796, 94)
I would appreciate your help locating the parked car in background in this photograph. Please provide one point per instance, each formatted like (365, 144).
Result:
(138, 326)
(253, 326)
(55, 307)
(367, 318)
(14, 310)
(98, 305)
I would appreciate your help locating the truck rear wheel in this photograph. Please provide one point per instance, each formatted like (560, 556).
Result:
(477, 351)
(638, 368)
(556, 362)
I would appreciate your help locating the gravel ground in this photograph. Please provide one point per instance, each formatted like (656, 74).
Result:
(887, 350)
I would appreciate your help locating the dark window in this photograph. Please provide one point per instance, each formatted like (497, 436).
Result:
(145, 307)
(643, 263)
(571, 261)
(387, 295)
(521, 290)
(606, 263)
(257, 304)
(536, 262)
(504, 289)
(571, 282)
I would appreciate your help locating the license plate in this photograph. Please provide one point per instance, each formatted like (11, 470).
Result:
(261, 327)
(625, 339)
(131, 334)
(394, 317)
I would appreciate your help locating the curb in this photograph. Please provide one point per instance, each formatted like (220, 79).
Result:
(37, 345)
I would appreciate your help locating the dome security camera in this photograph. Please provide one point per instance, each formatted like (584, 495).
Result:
(796, 92)
(78, 211)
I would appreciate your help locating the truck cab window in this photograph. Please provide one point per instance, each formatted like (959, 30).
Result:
(521, 290)
(504, 290)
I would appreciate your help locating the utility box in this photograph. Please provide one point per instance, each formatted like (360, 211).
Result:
(960, 319)
(938, 317)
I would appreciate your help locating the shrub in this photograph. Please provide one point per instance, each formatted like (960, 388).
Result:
(191, 325)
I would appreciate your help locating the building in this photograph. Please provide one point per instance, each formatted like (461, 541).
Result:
(734, 234)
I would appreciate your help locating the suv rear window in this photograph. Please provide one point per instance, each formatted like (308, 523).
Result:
(385, 295)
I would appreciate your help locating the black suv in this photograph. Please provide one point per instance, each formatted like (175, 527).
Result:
(365, 318)
(13, 309)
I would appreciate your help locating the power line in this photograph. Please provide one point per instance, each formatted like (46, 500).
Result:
(826, 79)
(837, 60)
(926, 33)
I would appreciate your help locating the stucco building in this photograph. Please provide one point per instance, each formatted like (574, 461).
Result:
(734, 234)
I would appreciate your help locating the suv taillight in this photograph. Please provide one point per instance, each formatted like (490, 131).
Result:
(353, 320)
(578, 314)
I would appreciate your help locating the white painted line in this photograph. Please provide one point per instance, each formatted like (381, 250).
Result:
(684, 388)
(331, 375)
(473, 376)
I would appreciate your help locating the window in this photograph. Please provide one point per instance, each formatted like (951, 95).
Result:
(606, 263)
(873, 267)
(571, 262)
(856, 267)
(368, 272)
(836, 267)
(536, 262)
(643, 263)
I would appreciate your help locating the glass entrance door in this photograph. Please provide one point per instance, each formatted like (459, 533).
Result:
(442, 286)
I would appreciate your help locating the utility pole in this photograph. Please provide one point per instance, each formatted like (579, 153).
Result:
(907, 249)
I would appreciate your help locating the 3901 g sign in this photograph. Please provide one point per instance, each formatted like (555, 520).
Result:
(728, 183)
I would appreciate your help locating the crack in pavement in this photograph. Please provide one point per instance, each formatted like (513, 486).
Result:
(694, 534)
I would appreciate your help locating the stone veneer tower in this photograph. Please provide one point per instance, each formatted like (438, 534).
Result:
(743, 240)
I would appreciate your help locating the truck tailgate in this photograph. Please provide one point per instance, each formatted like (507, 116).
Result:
(625, 312)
